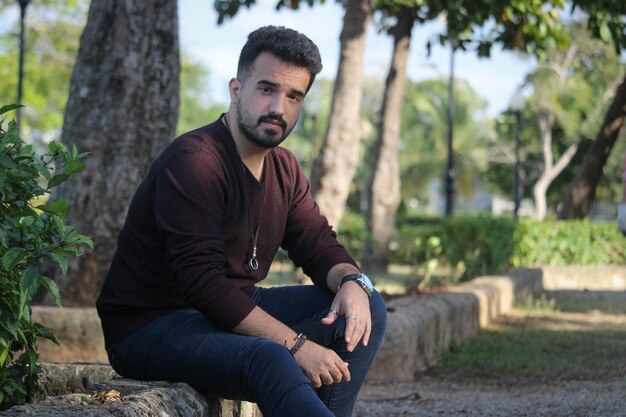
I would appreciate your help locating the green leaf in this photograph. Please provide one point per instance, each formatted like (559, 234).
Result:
(83, 240)
(59, 259)
(12, 257)
(56, 180)
(72, 167)
(58, 208)
(605, 32)
(3, 354)
(30, 282)
(52, 288)
(43, 331)
(7, 108)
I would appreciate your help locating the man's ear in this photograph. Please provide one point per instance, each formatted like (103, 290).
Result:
(234, 87)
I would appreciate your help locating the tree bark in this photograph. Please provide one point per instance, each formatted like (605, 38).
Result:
(577, 200)
(334, 168)
(551, 170)
(384, 186)
(122, 108)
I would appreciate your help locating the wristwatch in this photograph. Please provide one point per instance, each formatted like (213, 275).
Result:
(361, 279)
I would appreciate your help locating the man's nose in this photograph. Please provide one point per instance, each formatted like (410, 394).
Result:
(278, 104)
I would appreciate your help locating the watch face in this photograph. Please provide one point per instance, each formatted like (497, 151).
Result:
(365, 280)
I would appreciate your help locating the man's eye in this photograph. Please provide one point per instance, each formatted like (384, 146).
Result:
(265, 90)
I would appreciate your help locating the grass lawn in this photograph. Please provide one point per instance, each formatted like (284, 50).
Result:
(544, 343)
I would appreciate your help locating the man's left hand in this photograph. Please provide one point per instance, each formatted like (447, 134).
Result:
(352, 303)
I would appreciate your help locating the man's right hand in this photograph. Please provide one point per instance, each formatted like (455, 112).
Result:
(321, 365)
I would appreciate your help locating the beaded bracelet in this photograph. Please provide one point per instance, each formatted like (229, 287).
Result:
(300, 339)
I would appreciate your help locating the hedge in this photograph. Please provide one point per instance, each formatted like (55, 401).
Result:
(474, 245)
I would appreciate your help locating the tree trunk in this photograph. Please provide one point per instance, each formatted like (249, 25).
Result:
(122, 108)
(581, 191)
(384, 187)
(334, 168)
(551, 170)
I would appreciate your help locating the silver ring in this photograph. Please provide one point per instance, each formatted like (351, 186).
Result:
(333, 311)
(351, 317)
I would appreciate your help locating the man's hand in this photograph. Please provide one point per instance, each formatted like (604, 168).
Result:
(320, 365)
(353, 303)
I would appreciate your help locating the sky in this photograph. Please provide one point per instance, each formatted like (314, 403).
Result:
(495, 79)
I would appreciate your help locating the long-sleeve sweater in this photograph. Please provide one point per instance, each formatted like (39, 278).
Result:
(190, 227)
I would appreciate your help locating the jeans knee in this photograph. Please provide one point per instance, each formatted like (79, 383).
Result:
(378, 310)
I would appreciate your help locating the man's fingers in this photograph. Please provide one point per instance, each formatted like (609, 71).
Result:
(330, 317)
(368, 331)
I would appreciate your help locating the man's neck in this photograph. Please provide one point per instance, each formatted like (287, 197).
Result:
(253, 156)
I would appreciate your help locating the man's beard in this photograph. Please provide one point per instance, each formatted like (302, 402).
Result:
(264, 138)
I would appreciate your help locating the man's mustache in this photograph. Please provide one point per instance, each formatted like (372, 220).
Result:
(273, 118)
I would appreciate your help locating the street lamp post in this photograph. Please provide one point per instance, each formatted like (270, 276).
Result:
(517, 105)
(23, 4)
(450, 164)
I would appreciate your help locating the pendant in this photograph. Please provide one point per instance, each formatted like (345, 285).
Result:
(253, 263)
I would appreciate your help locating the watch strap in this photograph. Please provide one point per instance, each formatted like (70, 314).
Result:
(356, 278)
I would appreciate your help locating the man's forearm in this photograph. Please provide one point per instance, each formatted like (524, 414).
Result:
(260, 324)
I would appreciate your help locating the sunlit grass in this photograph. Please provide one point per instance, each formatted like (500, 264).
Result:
(544, 344)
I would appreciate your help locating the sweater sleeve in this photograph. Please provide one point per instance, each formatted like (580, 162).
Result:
(190, 195)
(309, 239)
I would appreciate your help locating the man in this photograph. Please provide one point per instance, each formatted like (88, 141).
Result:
(180, 303)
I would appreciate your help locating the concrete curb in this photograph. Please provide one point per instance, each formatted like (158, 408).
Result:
(418, 328)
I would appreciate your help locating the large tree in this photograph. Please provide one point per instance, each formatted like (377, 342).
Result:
(513, 29)
(571, 88)
(122, 108)
(384, 186)
(577, 200)
(334, 168)
(607, 21)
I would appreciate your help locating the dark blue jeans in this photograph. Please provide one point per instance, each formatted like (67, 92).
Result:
(186, 347)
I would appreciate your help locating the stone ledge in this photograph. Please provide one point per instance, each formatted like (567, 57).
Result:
(138, 398)
(418, 327)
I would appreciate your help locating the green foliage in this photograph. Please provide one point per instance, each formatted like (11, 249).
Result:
(196, 108)
(52, 33)
(577, 242)
(470, 246)
(352, 233)
(424, 129)
(30, 233)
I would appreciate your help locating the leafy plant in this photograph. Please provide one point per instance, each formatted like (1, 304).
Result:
(31, 232)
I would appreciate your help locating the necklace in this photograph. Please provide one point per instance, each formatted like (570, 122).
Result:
(253, 263)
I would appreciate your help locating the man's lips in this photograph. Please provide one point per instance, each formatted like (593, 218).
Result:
(273, 122)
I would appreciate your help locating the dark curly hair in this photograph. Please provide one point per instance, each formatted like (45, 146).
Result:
(284, 43)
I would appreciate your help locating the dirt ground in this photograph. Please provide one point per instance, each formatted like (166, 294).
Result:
(453, 396)
(439, 392)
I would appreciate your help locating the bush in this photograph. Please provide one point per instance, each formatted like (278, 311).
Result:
(30, 233)
(467, 246)
(568, 242)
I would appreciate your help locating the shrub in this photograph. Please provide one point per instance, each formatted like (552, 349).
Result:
(568, 242)
(469, 246)
(30, 233)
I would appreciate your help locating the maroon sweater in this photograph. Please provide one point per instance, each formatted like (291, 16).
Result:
(188, 234)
